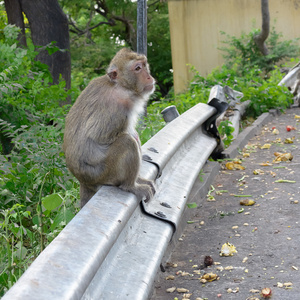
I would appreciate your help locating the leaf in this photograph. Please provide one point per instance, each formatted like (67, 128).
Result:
(65, 216)
(52, 201)
(192, 205)
(285, 181)
(266, 146)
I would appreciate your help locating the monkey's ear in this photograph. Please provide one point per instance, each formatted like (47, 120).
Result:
(112, 72)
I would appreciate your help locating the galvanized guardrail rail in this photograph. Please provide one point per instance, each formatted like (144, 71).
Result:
(113, 247)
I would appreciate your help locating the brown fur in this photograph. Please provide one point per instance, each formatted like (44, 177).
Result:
(100, 141)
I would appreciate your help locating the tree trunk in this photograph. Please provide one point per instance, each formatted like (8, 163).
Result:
(47, 23)
(265, 29)
(15, 17)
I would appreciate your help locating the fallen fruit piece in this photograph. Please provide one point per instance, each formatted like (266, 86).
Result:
(289, 128)
(171, 290)
(247, 202)
(266, 164)
(182, 290)
(266, 146)
(227, 250)
(297, 117)
(266, 292)
(279, 284)
(275, 131)
(246, 154)
(287, 284)
(208, 261)
(170, 277)
(186, 296)
(245, 259)
(258, 172)
(288, 141)
(210, 277)
(282, 156)
(254, 291)
(234, 166)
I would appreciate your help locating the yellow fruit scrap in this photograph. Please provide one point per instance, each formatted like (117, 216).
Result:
(235, 165)
(247, 202)
(289, 140)
(210, 277)
(282, 156)
(227, 250)
(297, 117)
(275, 131)
(258, 172)
(265, 164)
(266, 146)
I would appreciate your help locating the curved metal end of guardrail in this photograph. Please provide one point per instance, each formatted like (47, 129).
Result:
(112, 249)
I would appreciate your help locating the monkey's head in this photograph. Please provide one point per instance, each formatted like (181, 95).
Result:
(131, 71)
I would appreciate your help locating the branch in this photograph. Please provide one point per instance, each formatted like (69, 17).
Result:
(265, 28)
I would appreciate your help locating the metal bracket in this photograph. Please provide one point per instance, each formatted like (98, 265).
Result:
(211, 127)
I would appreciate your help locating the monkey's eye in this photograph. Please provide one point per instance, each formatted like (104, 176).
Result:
(138, 68)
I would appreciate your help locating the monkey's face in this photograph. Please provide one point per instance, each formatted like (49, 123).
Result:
(131, 71)
(145, 83)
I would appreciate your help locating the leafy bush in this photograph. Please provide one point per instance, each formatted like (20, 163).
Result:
(243, 50)
(37, 192)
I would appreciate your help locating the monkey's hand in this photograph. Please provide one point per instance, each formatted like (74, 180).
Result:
(149, 183)
(143, 189)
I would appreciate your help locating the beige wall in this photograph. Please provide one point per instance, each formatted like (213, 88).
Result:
(195, 27)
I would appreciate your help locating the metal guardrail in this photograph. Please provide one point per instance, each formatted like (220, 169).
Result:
(113, 247)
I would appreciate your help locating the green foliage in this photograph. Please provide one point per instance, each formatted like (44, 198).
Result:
(226, 130)
(244, 51)
(37, 193)
(93, 46)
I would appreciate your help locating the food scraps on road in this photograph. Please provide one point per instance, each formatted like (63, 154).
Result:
(275, 131)
(266, 292)
(247, 202)
(228, 249)
(283, 156)
(209, 277)
(208, 261)
(289, 128)
(234, 165)
(289, 140)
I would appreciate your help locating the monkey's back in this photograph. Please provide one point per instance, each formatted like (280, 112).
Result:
(95, 120)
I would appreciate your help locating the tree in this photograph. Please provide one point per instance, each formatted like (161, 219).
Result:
(265, 29)
(48, 23)
(99, 28)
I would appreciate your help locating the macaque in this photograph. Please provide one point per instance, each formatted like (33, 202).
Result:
(101, 144)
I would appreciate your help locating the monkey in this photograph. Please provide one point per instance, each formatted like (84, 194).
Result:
(101, 144)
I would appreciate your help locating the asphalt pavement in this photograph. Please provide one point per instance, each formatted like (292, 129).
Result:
(265, 235)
